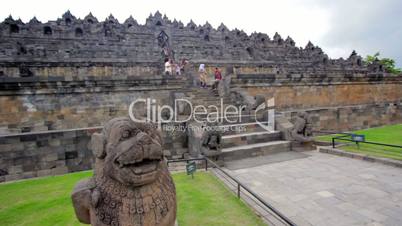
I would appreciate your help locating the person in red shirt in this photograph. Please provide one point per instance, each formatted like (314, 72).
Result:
(218, 78)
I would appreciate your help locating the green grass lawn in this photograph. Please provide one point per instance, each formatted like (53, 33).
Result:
(46, 201)
(387, 134)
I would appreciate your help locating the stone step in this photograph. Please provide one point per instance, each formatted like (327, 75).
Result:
(250, 138)
(249, 127)
(254, 150)
(210, 109)
(209, 102)
(200, 91)
(235, 119)
(206, 96)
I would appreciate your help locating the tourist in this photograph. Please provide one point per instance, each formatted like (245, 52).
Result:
(184, 62)
(178, 69)
(168, 67)
(218, 78)
(203, 76)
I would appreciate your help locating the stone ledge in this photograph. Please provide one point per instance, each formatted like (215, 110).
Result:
(334, 151)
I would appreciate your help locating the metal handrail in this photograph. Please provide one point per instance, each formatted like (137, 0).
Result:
(364, 142)
(239, 187)
(188, 160)
(329, 132)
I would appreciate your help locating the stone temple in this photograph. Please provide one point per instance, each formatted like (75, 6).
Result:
(61, 80)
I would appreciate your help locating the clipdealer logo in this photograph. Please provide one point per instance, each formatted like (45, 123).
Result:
(162, 114)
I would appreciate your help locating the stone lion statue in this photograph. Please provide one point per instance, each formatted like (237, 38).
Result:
(131, 184)
(259, 99)
(211, 144)
(302, 130)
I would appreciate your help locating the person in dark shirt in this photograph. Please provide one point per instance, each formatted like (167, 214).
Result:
(218, 78)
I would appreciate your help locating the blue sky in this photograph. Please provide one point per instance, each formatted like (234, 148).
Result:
(336, 26)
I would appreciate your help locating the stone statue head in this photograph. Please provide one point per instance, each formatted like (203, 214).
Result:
(211, 143)
(302, 115)
(214, 141)
(128, 152)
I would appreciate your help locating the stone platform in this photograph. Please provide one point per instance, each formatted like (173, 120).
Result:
(327, 190)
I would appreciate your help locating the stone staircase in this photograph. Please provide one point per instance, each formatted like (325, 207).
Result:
(244, 138)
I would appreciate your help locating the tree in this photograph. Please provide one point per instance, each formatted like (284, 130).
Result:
(388, 63)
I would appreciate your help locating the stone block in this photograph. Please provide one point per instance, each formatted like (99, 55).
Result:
(29, 167)
(6, 147)
(59, 170)
(46, 172)
(14, 177)
(167, 153)
(51, 157)
(12, 170)
(54, 142)
(27, 175)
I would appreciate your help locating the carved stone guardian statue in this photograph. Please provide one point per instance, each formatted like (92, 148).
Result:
(211, 144)
(131, 185)
(302, 130)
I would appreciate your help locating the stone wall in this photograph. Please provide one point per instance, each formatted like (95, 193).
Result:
(327, 95)
(349, 118)
(32, 104)
(35, 154)
(79, 70)
(340, 107)
(44, 153)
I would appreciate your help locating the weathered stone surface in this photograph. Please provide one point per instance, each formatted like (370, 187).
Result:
(323, 189)
(304, 96)
(131, 184)
(354, 117)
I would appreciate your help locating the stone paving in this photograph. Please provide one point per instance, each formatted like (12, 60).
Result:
(323, 189)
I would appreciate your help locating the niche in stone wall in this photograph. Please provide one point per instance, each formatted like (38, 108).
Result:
(47, 30)
(129, 25)
(3, 172)
(21, 49)
(90, 21)
(25, 71)
(250, 51)
(108, 32)
(78, 32)
(158, 23)
(14, 28)
(206, 38)
(68, 21)
(359, 62)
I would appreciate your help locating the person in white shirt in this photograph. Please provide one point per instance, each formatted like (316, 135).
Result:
(168, 67)
(203, 76)
(178, 69)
